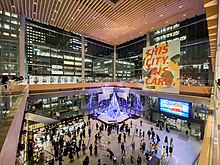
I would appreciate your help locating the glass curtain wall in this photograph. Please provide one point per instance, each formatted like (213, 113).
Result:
(9, 44)
(54, 55)
(129, 60)
(101, 55)
(195, 66)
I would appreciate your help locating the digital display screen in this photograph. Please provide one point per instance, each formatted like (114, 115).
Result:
(175, 107)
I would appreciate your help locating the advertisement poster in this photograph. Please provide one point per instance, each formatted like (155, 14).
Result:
(160, 68)
(175, 107)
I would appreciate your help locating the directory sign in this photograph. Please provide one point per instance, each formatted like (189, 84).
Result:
(161, 70)
(175, 107)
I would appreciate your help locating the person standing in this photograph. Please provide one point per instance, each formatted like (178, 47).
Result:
(84, 147)
(167, 150)
(149, 133)
(155, 148)
(132, 158)
(119, 138)
(90, 149)
(131, 123)
(84, 133)
(158, 138)
(124, 137)
(143, 134)
(133, 147)
(86, 161)
(89, 132)
(171, 141)
(171, 150)
(122, 148)
(140, 133)
(99, 161)
(95, 150)
(166, 139)
(71, 155)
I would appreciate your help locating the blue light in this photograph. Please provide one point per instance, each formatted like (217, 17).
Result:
(113, 109)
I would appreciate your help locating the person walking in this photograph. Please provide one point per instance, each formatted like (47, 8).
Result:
(139, 160)
(143, 134)
(158, 138)
(90, 149)
(122, 148)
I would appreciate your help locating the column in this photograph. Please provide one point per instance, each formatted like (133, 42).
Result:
(114, 65)
(148, 39)
(22, 59)
(217, 64)
(83, 57)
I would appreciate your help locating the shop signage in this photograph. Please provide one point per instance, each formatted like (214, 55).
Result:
(161, 70)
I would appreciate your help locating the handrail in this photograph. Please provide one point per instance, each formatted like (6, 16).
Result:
(9, 148)
(205, 153)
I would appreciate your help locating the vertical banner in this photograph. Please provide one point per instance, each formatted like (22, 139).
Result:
(161, 70)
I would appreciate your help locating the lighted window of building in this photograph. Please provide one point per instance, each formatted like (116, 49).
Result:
(8, 14)
(14, 22)
(6, 26)
(5, 34)
(14, 35)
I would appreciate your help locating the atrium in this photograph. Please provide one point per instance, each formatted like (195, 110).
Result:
(109, 82)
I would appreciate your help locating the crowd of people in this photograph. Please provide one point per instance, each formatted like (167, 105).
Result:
(71, 143)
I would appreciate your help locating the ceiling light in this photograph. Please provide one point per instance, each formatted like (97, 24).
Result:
(107, 33)
(133, 28)
(166, 22)
(161, 15)
(13, 6)
(152, 27)
(68, 25)
(55, 11)
(72, 17)
(35, 3)
(146, 22)
(184, 15)
(140, 32)
(180, 6)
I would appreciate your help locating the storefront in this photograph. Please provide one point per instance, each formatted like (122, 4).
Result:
(179, 116)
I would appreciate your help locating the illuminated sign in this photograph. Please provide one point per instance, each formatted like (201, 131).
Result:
(175, 107)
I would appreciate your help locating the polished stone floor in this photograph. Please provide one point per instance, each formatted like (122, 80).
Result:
(184, 152)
